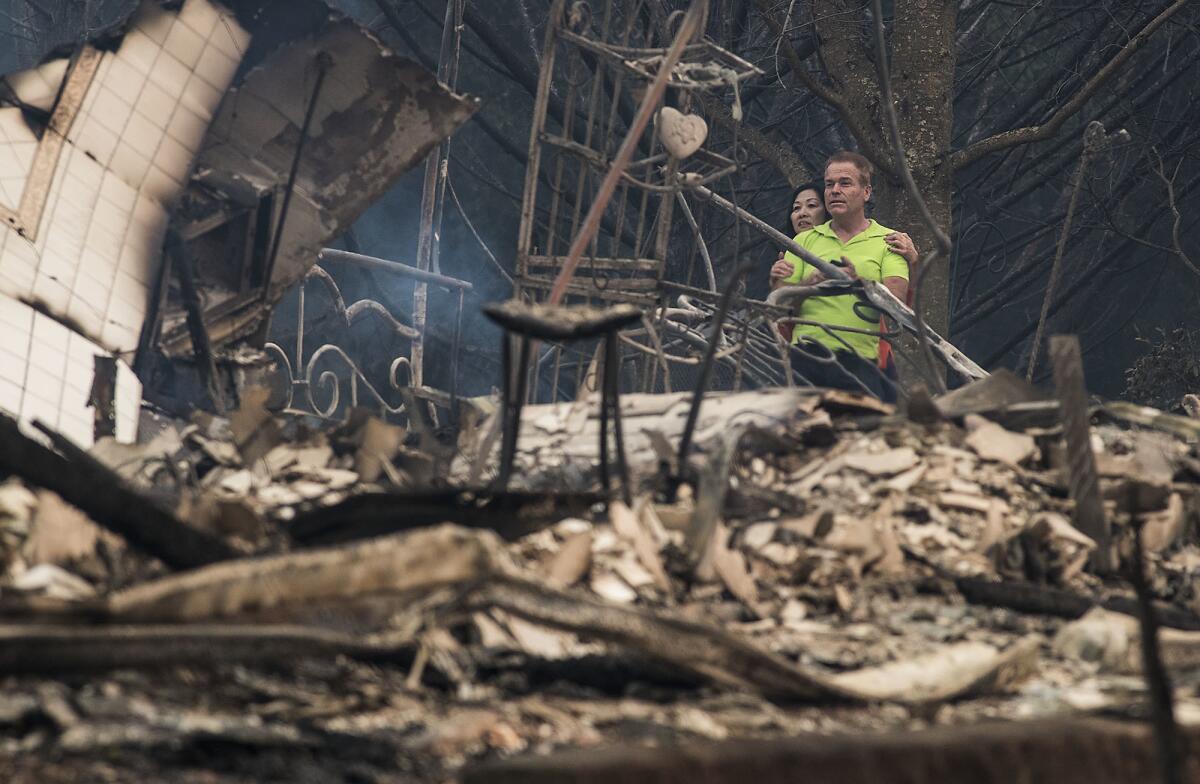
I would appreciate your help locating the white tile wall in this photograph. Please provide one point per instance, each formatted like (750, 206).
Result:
(46, 373)
(127, 156)
(17, 146)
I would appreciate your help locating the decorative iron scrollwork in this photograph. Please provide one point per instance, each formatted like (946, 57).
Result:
(312, 390)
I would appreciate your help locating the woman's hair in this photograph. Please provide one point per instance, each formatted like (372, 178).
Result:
(814, 185)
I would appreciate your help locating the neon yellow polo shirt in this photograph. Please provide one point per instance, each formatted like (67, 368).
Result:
(872, 259)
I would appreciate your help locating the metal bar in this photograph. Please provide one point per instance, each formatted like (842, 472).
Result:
(1094, 139)
(591, 223)
(612, 369)
(700, 243)
(689, 429)
(202, 350)
(589, 128)
(430, 218)
(538, 121)
(514, 398)
(605, 482)
(398, 267)
(300, 325)
(568, 129)
(454, 351)
(324, 63)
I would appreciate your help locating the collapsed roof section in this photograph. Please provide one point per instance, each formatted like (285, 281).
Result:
(374, 115)
(189, 116)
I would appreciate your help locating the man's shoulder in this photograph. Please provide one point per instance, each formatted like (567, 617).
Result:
(877, 229)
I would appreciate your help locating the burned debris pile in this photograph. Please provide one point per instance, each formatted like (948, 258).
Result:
(252, 562)
(843, 567)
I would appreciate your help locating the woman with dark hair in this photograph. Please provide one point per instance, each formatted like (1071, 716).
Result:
(808, 210)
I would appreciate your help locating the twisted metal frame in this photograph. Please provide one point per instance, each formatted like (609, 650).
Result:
(327, 383)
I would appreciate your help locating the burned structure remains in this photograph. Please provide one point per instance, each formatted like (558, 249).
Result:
(180, 141)
(232, 549)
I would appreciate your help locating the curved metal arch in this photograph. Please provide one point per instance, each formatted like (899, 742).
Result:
(365, 306)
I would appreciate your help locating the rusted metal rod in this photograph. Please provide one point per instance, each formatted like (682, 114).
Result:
(324, 63)
(685, 443)
(400, 268)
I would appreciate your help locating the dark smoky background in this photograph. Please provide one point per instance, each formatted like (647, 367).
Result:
(1130, 286)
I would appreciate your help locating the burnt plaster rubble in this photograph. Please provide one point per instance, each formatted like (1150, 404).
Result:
(186, 120)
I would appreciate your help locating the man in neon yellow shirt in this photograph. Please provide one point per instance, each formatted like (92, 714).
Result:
(851, 239)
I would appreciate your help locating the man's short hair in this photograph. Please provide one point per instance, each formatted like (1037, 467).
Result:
(865, 169)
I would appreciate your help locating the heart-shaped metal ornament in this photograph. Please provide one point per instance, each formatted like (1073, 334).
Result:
(682, 134)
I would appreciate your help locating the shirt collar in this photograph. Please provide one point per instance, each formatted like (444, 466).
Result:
(873, 230)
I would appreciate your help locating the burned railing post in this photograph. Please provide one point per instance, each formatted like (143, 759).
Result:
(1088, 513)
(102, 397)
(202, 349)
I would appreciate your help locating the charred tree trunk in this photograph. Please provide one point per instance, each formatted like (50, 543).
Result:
(922, 69)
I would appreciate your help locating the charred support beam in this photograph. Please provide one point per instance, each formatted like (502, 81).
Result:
(1088, 514)
(202, 350)
(1065, 751)
(84, 482)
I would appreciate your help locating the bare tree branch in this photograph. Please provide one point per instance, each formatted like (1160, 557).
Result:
(1176, 242)
(1034, 133)
(778, 154)
(943, 241)
(835, 100)
(1056, 266)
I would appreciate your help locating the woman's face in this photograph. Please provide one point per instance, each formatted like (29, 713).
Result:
(807, 211)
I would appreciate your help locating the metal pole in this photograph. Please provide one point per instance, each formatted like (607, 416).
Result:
(324, 63)
(427, 239)
(400, 268)
(685, 443)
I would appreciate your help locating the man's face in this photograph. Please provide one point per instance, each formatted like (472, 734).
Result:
(845, 195)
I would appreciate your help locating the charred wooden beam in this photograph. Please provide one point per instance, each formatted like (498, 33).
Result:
(84, 482)
(1085, 751)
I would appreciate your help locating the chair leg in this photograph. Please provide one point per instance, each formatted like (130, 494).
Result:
(612, 373)
(512, 401)
(605, 480)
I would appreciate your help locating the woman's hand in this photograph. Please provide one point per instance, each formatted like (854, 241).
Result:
(779, 270)
(902, 244)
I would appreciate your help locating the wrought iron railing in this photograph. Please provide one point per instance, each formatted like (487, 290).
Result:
(312, 387)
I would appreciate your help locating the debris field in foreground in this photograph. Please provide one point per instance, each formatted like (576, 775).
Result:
(861, 572)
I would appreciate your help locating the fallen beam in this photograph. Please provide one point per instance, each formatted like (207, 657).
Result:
(475, 569)
(85, 483)
(37, 648)
(1068, 751)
